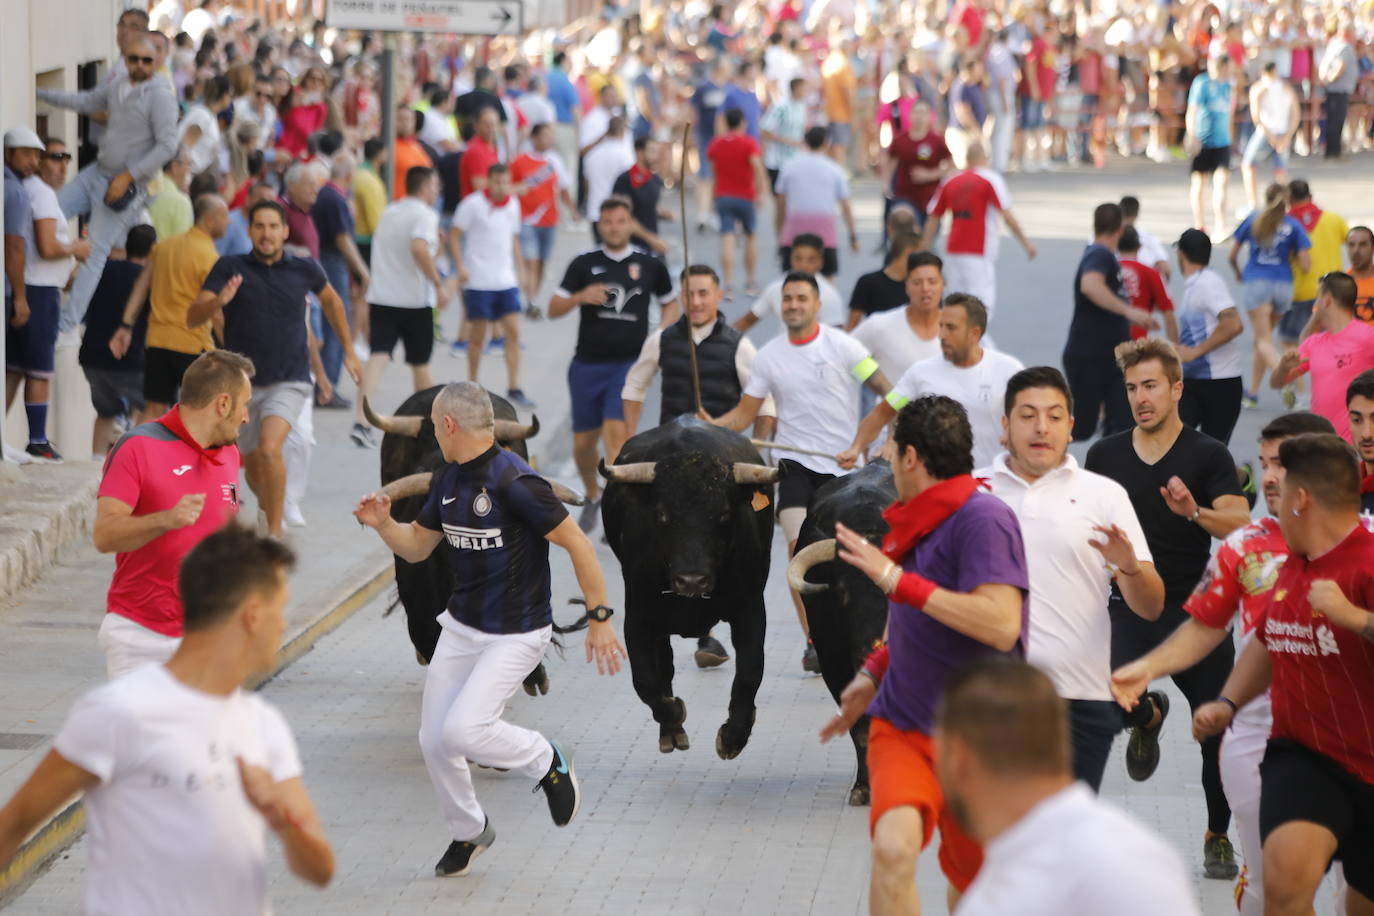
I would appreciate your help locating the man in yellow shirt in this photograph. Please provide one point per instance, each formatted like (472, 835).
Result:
(176, 269)
(838, 85)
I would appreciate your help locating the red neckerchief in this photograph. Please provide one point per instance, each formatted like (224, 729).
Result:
(912, 520)
(801, 343)
(494, 202)
(639, 177)
(1307, 214)
(172, 421)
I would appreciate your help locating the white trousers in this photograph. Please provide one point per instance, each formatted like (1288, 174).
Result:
(1242, 749)
(468, 682)
(128, 645)
(974, 274)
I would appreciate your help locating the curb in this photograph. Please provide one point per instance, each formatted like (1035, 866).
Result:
(36, 528)
(66, 827)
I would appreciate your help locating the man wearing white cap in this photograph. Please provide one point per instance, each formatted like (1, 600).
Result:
(22, 150)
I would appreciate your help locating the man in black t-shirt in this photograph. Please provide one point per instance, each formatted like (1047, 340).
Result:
(116, 382)
(1102, 318)
(612, 287)
(1185, 490)
(495, 517)
(883, 289)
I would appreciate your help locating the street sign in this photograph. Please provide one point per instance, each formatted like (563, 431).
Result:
(463, 17)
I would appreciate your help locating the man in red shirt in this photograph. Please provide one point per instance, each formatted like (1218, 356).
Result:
(167, 485)
(1036, 93)
(1315, 652)
(738, 163)
(1144, 287)
(916, 162)
(973, 198)
(480, 154)
(540, 180)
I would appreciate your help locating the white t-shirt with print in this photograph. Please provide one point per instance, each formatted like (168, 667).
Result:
(980, 388)
(488, 240)
(170, 828)
(816, 392)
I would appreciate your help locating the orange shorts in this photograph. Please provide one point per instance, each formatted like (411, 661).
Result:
(901, 773)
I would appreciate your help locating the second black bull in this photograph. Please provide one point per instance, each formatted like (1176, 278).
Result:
(846, 612)
(409, 456)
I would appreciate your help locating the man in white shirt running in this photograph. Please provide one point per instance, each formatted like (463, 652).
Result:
(813, 373)
(489, 269)
(900, 338)
(965, 370)
(1049, 846)
(183, 771)
(405, 289)
(807, 256)
(1081, 532)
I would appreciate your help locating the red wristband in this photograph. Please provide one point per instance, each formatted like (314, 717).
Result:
(913, 589)
(876, 663)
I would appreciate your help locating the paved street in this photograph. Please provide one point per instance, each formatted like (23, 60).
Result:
(684, 833)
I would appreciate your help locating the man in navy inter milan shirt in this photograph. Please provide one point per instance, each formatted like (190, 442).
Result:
(496, 517)
(612, 287)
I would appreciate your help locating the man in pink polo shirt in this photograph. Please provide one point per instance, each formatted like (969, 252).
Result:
(167, 485)
(1336, 347)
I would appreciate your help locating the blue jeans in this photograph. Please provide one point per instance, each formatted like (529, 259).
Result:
(86, 195)
(331, 348)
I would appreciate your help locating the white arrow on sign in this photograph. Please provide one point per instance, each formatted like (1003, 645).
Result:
(463, 17)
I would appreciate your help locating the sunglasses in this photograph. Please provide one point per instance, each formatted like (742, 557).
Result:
(139, 59)
(58, 157)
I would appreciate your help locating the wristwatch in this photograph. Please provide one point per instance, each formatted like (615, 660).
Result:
(1197, 514)
(600, 613)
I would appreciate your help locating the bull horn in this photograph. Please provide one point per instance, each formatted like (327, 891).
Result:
(638, 472)
(755, 474)
(811, 555)
(401, 426)
(513, 430)
(567, 494)
(406, 487)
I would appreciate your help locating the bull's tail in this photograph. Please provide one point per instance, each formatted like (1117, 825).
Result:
(576, 625)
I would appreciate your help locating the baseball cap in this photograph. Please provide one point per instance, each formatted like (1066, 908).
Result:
(22, 138)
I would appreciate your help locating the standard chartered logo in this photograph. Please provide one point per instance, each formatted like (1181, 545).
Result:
(1326, 641)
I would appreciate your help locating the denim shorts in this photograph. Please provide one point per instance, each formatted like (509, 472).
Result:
(1277, 293)
(733, 210)
(1294, 320)
(1032, 113)
(536, 242)
(839, 133)
(1260, 150)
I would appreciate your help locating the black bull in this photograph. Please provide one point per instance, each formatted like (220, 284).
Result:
(409, 452)
(688, 511)
(845, 610)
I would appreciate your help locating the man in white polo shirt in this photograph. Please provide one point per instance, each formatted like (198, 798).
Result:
(1081, 532)
(901, 338)
(813, 373)
(405, 289)
(965, 370)
(488, 270)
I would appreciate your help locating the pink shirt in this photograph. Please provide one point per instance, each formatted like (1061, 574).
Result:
(150, 469)
(1334, 360)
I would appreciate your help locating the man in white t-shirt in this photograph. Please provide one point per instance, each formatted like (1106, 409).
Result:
(1275, 108)
(405, 289)
(488, 270)
(183, 771)
(1049, 846)
(606, 162)
(900, 338)
(813, 373)
(1081, 532)
(809, 189)
(966, 371)
(808, 257)
(50, 256)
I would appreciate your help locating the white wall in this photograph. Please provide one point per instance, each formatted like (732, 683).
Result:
(40, 36)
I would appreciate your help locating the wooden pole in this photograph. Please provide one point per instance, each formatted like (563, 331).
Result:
(766, 445)
(687, 261)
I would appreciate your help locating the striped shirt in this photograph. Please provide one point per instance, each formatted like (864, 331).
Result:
(495, 513)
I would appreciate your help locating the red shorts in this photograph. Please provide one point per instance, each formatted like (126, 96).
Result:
(901, 774)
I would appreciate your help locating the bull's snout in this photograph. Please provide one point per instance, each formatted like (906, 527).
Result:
(692, 584)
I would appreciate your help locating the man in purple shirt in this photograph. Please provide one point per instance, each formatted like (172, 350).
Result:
(954, 568)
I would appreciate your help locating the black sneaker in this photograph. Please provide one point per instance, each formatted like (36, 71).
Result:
(1219, 858)
(710, 653)
(457, 860)
(560, 787)
(1142, 751)
(811, 662)
(43, 452)
(362, 436)
(586, 519)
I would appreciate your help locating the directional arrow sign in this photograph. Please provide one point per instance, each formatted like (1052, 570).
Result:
(463, 17)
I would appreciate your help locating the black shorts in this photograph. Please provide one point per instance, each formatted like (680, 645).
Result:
(773, 179)
(115, 392)
(799, 483)
(830, 262)
(162, 372)
(1211, 158)
(1298, 784)
(413, 327)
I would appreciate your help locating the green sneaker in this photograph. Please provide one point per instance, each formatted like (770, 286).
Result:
(1219, 858)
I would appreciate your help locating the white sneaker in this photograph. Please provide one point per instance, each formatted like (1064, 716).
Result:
(291, 514)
